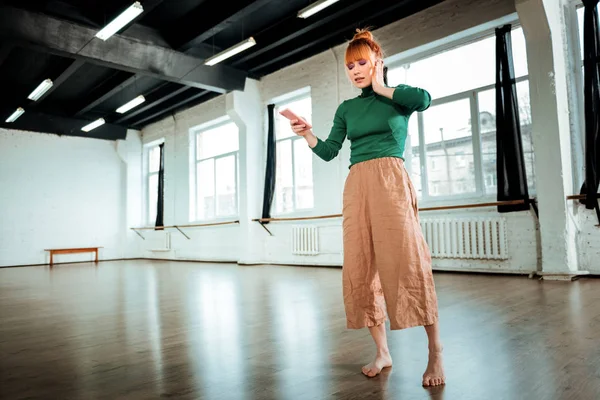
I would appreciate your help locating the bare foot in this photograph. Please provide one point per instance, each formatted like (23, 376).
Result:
(434, 374)
(381, 361)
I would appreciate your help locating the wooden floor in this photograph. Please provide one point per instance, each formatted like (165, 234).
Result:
(150, 329)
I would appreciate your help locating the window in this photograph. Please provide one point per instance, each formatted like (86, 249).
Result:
(447, 131)
(216, 171)
(490, 180)
(579, 72)
(578, 156)
(152, 167)
(487, 102)
(580, 12)
(453, 143)
(294, 178)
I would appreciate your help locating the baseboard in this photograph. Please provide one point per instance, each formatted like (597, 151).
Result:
(482, 271)
(247, 264)
(188, 260)
(562, 276)
(120, 259)
(69, 262)
(549, 276)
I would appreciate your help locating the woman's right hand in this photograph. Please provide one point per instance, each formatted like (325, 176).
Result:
(299, 128)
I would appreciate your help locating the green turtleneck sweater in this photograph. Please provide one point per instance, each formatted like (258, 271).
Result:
(375, 125)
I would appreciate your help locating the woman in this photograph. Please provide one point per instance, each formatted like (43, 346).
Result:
(387, 264)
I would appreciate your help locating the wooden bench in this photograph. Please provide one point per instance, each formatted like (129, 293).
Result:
(71, 251)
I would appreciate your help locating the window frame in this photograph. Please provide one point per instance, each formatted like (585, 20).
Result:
(195, 132)
(444, 45)
(578, 135)
(285, 100)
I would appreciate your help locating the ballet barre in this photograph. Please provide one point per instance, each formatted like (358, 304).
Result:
(262, 221)
(579, 196)
(583, 197)
(160, 228)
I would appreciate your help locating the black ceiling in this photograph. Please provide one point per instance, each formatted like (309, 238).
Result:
(159, 55)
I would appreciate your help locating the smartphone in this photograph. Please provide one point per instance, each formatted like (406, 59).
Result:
(289, 114)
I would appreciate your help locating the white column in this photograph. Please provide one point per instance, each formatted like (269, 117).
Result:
(130, 152)
(245, 109)
(550, 82)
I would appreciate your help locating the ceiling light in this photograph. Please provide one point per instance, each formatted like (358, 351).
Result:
(238, 48)
(40, 90)
(93, 125)
(15, 115)
(123, 19)
(133, 103)
(315, 8)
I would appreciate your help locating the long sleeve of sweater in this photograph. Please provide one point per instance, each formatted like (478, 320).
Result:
(411, 98)
(328, 149)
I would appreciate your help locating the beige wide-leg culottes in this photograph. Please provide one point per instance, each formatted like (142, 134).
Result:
(387, 263)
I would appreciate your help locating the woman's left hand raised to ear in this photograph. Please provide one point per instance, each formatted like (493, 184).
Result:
(377, 81)
(377, 78)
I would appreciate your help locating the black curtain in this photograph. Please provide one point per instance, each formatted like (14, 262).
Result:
(510, 163)
(160, 205)
(591, 70)
(271, 164)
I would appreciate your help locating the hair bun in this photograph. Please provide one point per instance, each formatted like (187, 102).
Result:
(361, 45)
(363, 34)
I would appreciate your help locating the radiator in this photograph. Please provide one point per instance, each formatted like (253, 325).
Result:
(479, 238)
(160, 241)
(305, 240)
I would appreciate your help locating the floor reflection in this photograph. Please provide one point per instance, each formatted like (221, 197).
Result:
(219, 348)
(154, 327)
(142, 329)
(302, 351)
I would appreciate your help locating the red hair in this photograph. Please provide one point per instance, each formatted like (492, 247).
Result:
(361, 46)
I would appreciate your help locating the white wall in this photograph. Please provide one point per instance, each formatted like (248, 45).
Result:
(206, 244)
(130, 151)
(588, 239)
(324, 73)
(245, 110)
(552, 122)
(62, 192)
